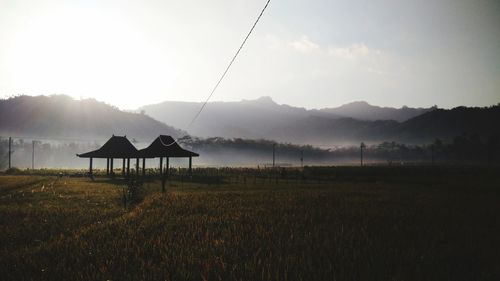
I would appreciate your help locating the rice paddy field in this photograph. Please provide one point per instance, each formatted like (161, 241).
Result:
(320, 223)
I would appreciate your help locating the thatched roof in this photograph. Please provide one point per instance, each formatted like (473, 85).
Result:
(165, 146)
(115, 147)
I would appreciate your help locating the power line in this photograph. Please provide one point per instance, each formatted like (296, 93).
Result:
(202, 107)
(229, 66)
(223, 74)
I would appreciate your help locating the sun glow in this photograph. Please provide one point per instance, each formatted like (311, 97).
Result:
(85, 54)
(314, 55)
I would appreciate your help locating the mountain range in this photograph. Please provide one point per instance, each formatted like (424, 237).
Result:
(363, 111)
(61, 116)
(354, 122)
(264, 118)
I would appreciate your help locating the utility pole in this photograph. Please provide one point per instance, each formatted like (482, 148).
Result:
(33, 156)
(274, 153)
(10, 150)
(361, 147)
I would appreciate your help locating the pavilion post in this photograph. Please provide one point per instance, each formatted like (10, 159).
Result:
(167, 169)
(107, 166)
(161, 165)
(111, 160)
(190, 166)
(90, 166)
(137, 167)
(143, 167)
(123, 167)
(128, 167)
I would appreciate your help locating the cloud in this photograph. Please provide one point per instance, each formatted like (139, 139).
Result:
(353, 52)
(304, 45)
(324, 59)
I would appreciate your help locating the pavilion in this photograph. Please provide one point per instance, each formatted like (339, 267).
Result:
(166, 147)
(120, 147)
(115, 147)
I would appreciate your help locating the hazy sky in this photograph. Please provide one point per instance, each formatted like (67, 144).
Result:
(319, 53)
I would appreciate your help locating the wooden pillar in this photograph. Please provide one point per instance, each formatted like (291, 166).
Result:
(190, 166)
(123, 167)
(111, 166)
(161, 165)
(167, 169)
(107, 166)
(137, 167)
(143, 167)
(90, 166)
(128, 167)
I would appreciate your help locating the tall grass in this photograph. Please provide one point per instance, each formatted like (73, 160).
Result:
(373, 225)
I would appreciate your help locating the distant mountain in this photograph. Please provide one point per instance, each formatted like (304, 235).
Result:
(450, 123)
(265, 119)
(245, 119)
(62, 116)
(363, 111)
(445, 124)
(351, 123)
(339, 131)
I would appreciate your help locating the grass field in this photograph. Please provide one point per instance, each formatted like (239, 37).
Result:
(344, 223)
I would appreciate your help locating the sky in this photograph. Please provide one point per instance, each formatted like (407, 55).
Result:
(313, 54)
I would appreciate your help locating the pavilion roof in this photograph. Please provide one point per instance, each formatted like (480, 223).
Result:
(165, 146)
(115, 147)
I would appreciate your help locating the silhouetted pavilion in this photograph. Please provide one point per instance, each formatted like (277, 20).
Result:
(115, 147)
(120, 147)
(166, 147)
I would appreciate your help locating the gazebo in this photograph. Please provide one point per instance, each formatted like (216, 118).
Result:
(166, 147)
(115, 147)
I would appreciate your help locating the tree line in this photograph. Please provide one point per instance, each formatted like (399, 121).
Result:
(463, 149)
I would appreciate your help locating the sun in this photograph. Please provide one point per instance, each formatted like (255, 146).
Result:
(87, 53)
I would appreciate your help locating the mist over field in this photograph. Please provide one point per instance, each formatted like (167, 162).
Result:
(319, 137)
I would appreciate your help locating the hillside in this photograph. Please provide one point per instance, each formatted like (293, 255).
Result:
(244, 119)
(450, 123)
(264, 118)
(363, 111)
(62, 116)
